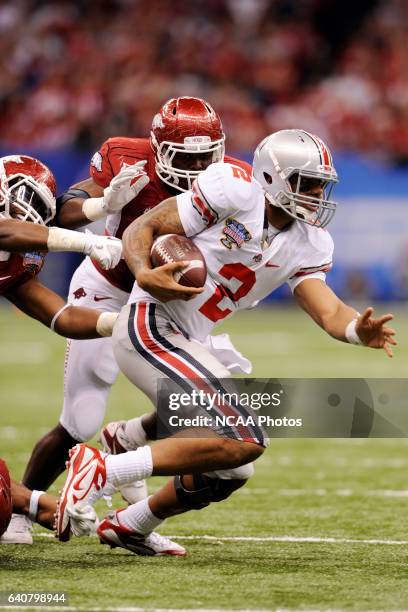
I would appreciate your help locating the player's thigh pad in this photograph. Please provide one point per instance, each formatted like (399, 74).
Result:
(90, 370)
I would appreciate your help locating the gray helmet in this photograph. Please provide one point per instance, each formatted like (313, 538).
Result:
(284, 164)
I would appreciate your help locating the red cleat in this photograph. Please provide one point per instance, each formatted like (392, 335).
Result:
(111, 532)
(84, 485)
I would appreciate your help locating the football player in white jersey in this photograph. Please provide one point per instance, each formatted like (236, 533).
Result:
(256, 232)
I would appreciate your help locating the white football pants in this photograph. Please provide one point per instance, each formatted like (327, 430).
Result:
(90, 366)
(149, 349)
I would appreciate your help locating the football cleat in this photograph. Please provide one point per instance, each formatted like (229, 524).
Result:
(115, 441)
(85, 483)
(18, 531)
(111, 532)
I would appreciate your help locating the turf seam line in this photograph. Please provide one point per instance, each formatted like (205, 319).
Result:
(289, 539)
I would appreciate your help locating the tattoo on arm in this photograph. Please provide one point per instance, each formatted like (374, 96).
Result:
(140, 235)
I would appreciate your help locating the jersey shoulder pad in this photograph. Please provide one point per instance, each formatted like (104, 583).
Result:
(316, 250)
(114, 152)
(321, 241)
(227, 188)
(239, 162)
(120, 145)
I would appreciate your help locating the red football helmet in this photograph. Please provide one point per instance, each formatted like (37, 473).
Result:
(191, 129)
(27, 189)
(6, 502)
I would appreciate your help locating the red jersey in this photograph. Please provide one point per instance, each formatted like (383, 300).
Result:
(18, 268)
(106, 164)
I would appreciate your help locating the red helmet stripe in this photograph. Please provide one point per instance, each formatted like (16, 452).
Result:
(325, 155)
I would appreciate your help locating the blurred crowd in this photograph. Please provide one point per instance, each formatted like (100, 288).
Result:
(74, 73)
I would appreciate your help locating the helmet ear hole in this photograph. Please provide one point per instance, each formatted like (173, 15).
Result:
(268, 178)
(174, 111)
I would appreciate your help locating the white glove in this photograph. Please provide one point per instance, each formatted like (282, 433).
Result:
(124, 187)
(84, 521)
(105, 249)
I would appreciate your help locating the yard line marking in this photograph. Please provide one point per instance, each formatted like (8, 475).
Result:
(342, 492)
(292, 539)
(133, 609)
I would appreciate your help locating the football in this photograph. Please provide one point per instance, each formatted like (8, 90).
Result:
(171, 248)
(6, 502)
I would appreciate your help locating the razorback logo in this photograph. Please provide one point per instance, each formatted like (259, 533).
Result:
(234, 233)
(96, 161)
(79, 293)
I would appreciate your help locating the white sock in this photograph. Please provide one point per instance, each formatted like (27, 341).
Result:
(138, 517)
(135, 432)
(127, 467)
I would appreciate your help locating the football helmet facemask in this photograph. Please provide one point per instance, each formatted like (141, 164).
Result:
(187, 128)
(27, 189)
(296, 171)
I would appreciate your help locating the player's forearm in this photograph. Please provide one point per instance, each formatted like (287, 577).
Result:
(80, 205)
(71, 215)
(325, 307)
(140, 235)
(46, 508)
(336, 323)
(51, 310)
(84, 323)
(137, 242)
(21, 236)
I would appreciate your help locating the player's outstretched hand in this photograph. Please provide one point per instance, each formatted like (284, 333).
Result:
(160, 283)
(124, 187)
(105, 249)
(375, 333)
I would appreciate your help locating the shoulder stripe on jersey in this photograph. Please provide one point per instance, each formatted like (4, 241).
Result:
(305, 271)
(202, 205)
(180, 366)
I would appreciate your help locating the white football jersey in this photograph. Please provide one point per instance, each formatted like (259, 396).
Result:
(225, 216)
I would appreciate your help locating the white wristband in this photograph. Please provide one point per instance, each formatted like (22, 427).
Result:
(93, 209)
(65, 240)
(33, 507)
(351, 335)
(57, 314)
(105, 323)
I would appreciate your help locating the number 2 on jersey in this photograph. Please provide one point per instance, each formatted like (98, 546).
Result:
(210, 308)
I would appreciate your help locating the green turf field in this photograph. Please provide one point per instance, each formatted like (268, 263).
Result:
(321, 526)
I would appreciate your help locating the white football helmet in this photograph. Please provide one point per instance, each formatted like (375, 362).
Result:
(296, 171)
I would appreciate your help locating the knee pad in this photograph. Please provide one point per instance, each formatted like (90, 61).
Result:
(206, 490)
(244, 472)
